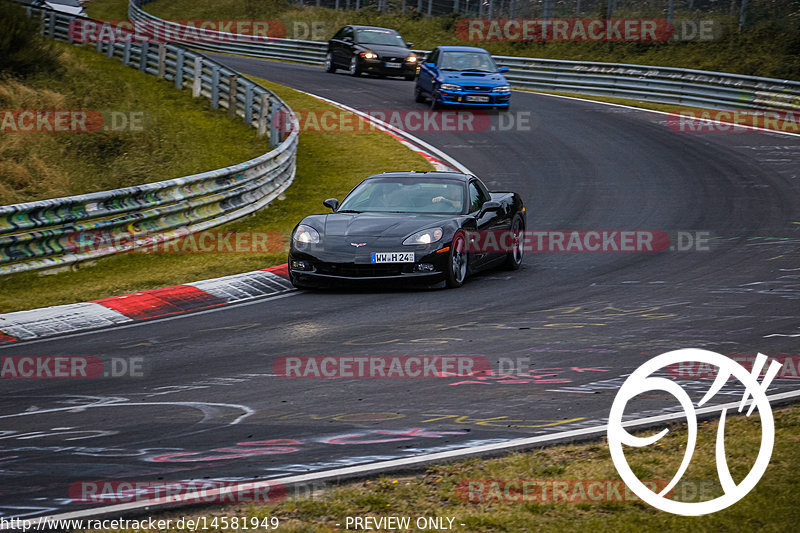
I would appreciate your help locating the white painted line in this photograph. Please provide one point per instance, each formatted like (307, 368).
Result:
(395, 464)
(754, 128)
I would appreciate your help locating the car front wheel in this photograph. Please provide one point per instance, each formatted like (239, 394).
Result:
(458, 263)
(354, 70)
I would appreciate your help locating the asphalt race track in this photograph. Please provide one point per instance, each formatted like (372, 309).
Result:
(210, 405)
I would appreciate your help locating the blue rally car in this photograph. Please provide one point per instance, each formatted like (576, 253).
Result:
(462, 76)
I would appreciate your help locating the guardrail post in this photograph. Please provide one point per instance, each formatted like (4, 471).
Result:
(197, 80)
(126, 53)
(179, 61)
(99, 45)
(274, 132)
(214, 87)
(162, 59)
(144, 49)
(232, 88)
(111, 48)
(248, 104)
(51, 26)
(263, 114)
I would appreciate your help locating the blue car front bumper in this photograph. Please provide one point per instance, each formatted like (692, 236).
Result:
(470, 98)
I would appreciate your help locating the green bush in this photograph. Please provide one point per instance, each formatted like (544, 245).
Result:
(23, 52)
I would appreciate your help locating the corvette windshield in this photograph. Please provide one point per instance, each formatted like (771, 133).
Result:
(384, 37)
(467, 62)
(405, 196)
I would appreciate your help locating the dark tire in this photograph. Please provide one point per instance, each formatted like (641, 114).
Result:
(418, 96)
(329, 65)
(458, 264)
(354, 70)
(514, 257)
(434, 103)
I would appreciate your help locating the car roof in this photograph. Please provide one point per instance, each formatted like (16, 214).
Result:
(461, 49)
(358, 27)
(433, 174)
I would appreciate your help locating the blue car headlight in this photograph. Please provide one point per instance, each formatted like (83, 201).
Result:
(502, 89)
(426, 236)
(450, 87)
(305, 235)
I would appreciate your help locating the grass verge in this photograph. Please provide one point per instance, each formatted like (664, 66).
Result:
(769, 47)
(328, 165)
(771, 506)
(174, 134)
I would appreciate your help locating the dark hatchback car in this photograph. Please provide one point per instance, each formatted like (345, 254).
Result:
(373, 50)
(406, 227)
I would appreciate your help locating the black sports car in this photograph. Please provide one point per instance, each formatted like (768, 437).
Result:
(407, 226)
(380, 51)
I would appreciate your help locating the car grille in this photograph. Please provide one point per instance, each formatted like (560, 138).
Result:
(363, 271)
(477, 88)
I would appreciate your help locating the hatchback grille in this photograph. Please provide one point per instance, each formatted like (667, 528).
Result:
(476, 88)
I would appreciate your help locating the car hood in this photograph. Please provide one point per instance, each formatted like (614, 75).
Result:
(467, 78)
(378, 224)
(387, 50)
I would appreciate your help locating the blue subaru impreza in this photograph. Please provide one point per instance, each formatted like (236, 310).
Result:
(462, 76)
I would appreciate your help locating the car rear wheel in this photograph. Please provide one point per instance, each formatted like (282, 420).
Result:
(514, 257)
(329, 64)
(418, 96)
(354, 70)
(458, 264)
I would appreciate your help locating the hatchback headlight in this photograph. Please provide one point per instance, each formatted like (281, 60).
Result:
(305, 235)
(411, 59)
(369, 55)
(450, 87)
(502, 89)
(426, 236)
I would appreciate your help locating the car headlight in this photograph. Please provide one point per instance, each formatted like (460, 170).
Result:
(411, 59)
(502, 89)
(450, 87)
(369, 55)
(426, 236)
(306, 235)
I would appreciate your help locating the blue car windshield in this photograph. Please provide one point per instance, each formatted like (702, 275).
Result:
(467, 62)
(405, 195)
(384, 37)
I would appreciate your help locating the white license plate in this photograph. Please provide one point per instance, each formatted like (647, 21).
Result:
(473, 98)
(392, 257)
(393, 65)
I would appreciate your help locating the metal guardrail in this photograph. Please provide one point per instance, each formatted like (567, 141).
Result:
(665, 85)
(63, 231)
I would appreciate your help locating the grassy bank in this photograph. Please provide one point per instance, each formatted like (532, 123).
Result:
(770, 46)
(174, 134)
(440, 491)
(326, 167)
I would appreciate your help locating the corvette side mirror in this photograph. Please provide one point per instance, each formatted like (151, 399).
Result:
(502, 69)
(332, 203)
(491, 205)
